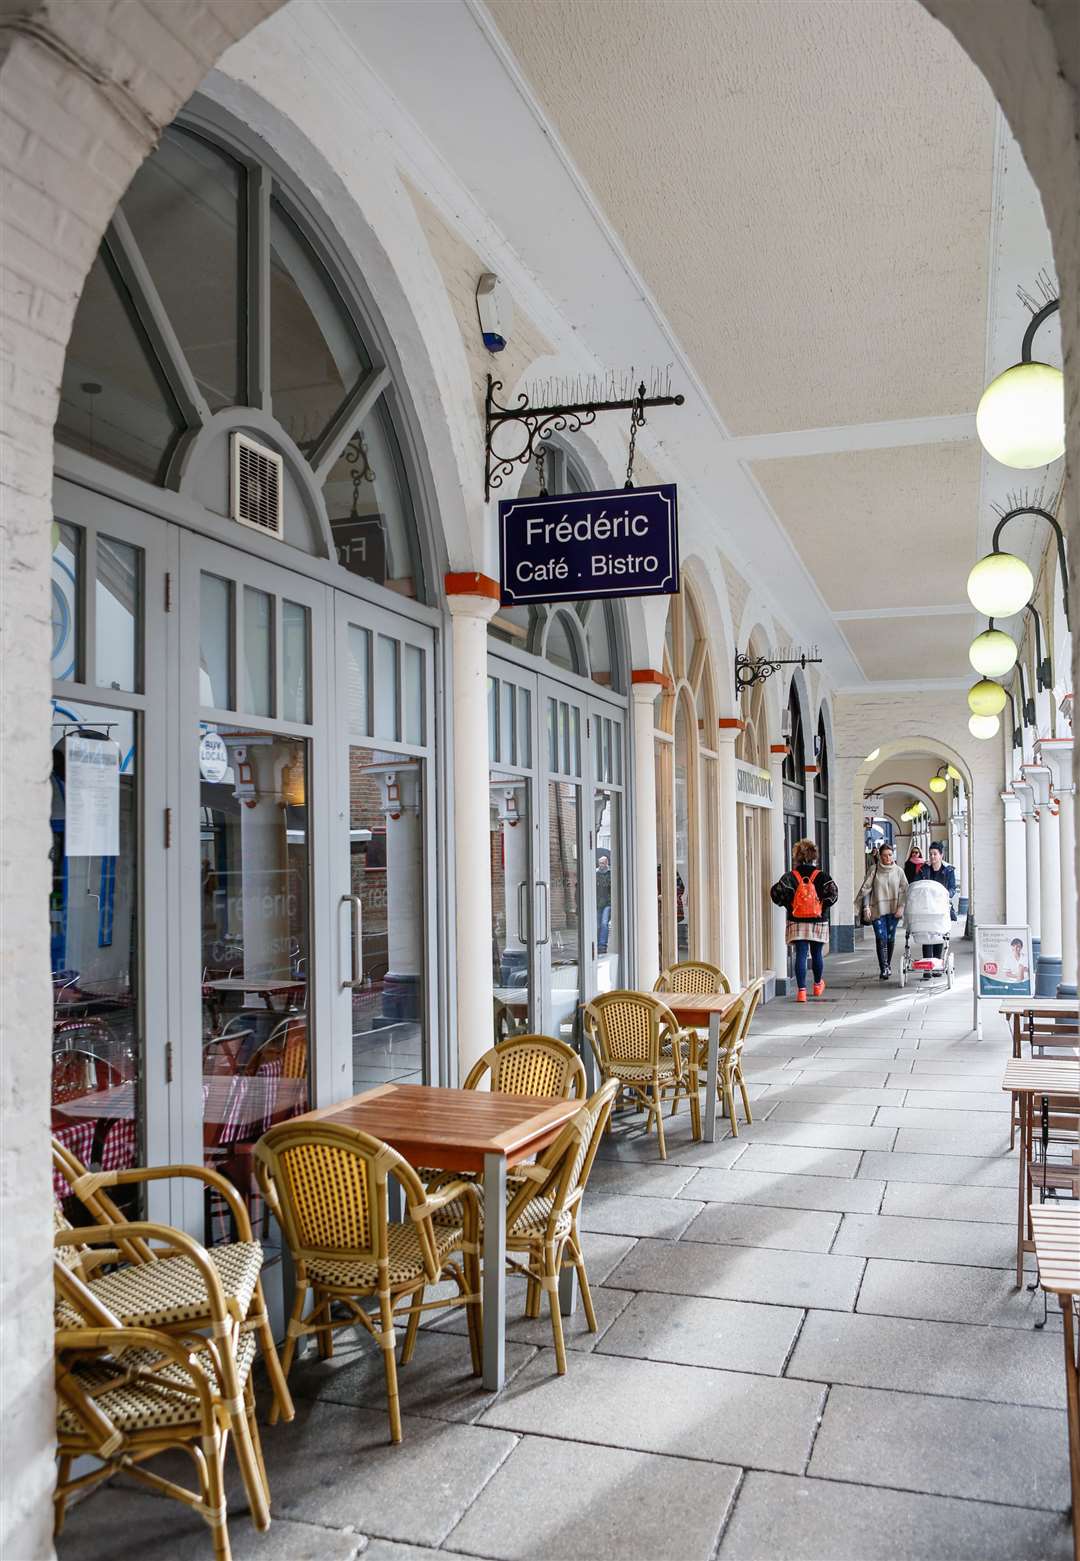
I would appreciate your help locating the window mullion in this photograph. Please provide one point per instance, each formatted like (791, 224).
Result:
(345, 421)
(258, 288)
(127, 257)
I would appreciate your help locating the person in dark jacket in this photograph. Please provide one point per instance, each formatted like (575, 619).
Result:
(937, 870)
(914, 864)
(805, 893)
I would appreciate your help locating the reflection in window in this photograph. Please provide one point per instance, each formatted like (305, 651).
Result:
(66, 590)
(215, 642)
(561, 644)
(609, 937)
(184, 209)
(116, 638)
(370, 507)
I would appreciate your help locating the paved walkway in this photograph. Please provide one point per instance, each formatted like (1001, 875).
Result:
(810, 1347)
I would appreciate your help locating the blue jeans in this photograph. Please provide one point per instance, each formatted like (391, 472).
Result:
(884, 933)
(805, 950)
(603, 929)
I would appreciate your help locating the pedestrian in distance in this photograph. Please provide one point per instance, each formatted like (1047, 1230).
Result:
(914, 865)
(806, 892)
(881, 898)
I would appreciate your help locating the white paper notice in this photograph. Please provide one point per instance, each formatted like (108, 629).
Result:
(92, 798)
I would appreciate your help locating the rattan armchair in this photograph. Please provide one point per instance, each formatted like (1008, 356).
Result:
(692, 975)
(530, 1065)
(638, 1043)
(152, 1290)
(729, 1074)
(125, 1394)
(327, 1187)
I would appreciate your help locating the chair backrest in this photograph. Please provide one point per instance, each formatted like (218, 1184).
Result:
(531, 1065)
(629, 1027)
(562, 1171)
(327, 1187)
(735, 1034)
(287, 1042)
(695, 976)
(77, 1071)
(100, 1207)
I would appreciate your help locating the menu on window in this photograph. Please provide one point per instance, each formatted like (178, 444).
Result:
(91, 797)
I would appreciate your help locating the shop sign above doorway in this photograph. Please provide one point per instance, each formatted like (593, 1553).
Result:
(619, 542)
(753, 785)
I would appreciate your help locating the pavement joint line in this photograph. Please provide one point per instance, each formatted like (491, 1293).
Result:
(729, 1514)
(819, 1421)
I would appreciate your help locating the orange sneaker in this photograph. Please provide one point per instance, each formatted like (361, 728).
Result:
(819, 987)
(801, 995)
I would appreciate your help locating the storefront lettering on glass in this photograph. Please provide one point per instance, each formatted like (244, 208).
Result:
(752, 785)
(622, 542)
(361, 546)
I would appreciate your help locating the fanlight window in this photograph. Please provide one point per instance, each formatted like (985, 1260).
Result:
(211, 292)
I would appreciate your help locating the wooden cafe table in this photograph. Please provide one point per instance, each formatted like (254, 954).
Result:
(1044, 1021)
(462, 1130)
(1057, 1247)
(695, 1008)
(1031, 1078)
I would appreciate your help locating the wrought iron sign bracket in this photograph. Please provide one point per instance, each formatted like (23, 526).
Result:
(575, 409)
(755, 669)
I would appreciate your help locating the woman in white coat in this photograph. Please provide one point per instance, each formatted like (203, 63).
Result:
(882, 896)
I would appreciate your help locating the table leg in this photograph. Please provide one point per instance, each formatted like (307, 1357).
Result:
(1072, 1399)
(1021, 1209)
(494, 1271)
(395, 1199)
(711, 1068)
(568, 1290)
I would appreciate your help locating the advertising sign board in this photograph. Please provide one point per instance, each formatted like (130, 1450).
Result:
(753, 785)
(620, 542)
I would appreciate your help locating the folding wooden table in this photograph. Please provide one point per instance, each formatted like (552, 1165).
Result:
(463, 1130)
(692, 1009)
(1032, 1078)
(1057, 1247)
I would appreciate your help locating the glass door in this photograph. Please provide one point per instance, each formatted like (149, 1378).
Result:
(562, 890)
(384, 898)
(514, 845)
(606, 848)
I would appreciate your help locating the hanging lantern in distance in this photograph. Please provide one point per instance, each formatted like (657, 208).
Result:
(983, 726)
(938, 783)
(954, 774)
(1021, 416)
(1000, 584)
(993, 653)
(986, 698)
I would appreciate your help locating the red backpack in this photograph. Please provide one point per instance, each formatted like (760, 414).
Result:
(806, 905)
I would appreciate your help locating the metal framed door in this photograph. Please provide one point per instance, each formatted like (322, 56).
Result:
(565, 898)
(515, 843)
(383, 902)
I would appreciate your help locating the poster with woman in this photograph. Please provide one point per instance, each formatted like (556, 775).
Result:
(1003, 963)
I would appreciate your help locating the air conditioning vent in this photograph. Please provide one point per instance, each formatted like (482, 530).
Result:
(256, 497)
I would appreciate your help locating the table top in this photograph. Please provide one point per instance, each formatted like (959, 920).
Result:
(688, 1006)
(1039, 1005)
(1057, 1245)
(254, 984)
(451, 1129)
(1042, 1076)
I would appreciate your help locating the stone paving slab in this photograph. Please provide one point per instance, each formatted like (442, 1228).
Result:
(963, 1170)
(815, 1071)
(536, 1331)
(800, 1160)
(954, 1360)
(603, 1253)
(639, 1181)
(976, 1067)
(753, 1225)
(390, 1550)
(699, 1331)
(949, 1292)
(811, 1111)
(941, 1120)
(970, 1099)
(993, 1140)
(826, 1095)
(780, 1518)
(817, 1135)
(741, 1274)
(785, 1191)
(628, 1216)
(563, 1500)
(929, 1200)
(944, 1447)
(720, 1416)
(927, 1241)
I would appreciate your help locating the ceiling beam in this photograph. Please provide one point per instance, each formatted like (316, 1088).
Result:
(957, 428)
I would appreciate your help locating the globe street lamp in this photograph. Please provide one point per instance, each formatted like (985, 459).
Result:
(1021, 415)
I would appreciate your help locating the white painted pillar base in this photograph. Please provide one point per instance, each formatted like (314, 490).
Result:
(471, 844)
(1057, 753)
(1015, 861)
(729, 856)
(646, 856)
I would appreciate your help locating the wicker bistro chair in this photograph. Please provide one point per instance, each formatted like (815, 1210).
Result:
(327, 1187)
(530, 1065)
(125, 1394)
(736, 1027)
(692, 975)
(166, 1291)
(542, 1212)
(638, 1044)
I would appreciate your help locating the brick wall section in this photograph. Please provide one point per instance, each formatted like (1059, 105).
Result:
(84, 91)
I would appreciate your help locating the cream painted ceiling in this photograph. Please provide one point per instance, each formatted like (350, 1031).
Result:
(806, 188)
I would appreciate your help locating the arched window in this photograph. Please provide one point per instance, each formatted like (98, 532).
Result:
(821, 791)
(688, 799)
(212, 295)
(752, 747)
(794, 770)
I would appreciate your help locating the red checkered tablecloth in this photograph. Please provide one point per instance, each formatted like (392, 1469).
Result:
(78, 1139)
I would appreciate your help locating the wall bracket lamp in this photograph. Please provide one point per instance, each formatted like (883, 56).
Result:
(1042, 514)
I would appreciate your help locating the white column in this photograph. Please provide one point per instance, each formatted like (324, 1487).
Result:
(776, 865)
(1049, 965)
(1026, 792)
(643, 882)
(469, 849)
(729, 854)
(1057, 753)
(964, 873)
(1016, 908)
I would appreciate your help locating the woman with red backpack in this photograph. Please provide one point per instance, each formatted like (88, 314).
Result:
(805, 893)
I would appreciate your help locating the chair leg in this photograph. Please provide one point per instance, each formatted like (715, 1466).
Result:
(290, 1348)
(473, 1314)
(413, 1327)
(60, 1499)
(729, 1107)
(256, 1440)
(282, 1397)
(253, 1476)
(215, 1490)
(658, 1108)
(578, 1260)
(324, 1339)
(745, 1099)
(695, 1109)
(551, 1285)
(386, 1317)
(533, 1297)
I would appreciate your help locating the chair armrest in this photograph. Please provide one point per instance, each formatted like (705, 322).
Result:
(181, 1244)
(445, 1194)
(155, 1173)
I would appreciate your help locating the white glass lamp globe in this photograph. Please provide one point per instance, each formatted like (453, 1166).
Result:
(953, 773)
(1021, 416)
(984, 726)
(1000, 584)
(993, 653)
(938, 783)
(986, 698)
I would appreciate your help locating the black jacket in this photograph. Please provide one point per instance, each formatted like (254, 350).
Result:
(783, 892)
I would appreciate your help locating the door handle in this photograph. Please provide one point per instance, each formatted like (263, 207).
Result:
(356, 919)
(545, 921)
(522, 891)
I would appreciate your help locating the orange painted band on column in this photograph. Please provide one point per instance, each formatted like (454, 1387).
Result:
(650, 675)
(729, 723)
(472, 585)
(779, 748)
(812, 769)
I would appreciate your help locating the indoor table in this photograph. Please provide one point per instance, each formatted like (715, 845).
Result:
(695, 1008)
(463, 1130)
(1057, 1247)
(267, 990)
(1032, 1078)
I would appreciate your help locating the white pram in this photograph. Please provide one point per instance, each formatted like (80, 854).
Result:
(927, 919)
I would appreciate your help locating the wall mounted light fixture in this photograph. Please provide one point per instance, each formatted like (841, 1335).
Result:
(1021, 415)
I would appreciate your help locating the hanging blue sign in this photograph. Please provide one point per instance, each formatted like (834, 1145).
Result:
(623, 542)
